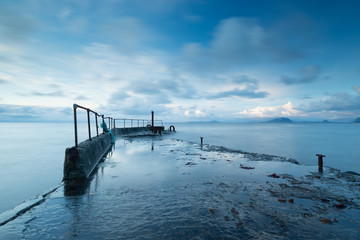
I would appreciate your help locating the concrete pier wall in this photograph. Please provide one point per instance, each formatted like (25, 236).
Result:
(80, 161)
(120, 131)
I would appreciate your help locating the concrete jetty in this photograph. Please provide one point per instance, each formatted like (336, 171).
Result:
(80, 161)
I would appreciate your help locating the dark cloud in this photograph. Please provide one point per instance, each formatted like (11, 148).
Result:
(54, 86)
(336, 102)
(245, 41)
(245, 93)
(154, 92)
(50, 94)
(307, 74)
(244, 79)
(134, 106)
(14, 25)
(20, 113)
(119, 95)
(248, 88)
(81, 97)
(2, 81)
(170, 87)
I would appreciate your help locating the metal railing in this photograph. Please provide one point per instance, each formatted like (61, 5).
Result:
(75, 107)
(128, 122)
(112, 122)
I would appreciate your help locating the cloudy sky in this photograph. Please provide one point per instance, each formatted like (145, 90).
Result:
(187, 60)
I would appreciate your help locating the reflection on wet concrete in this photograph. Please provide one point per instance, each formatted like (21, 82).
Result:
(146, 188)
(80, 186)
(77, 187)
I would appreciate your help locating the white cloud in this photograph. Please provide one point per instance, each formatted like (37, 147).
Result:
(286, 110)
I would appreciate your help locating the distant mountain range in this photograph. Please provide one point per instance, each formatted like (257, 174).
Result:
(287, 120)
(280, 120)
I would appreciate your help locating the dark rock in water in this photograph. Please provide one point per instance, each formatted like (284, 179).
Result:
(340, 206)
(274, 175)
(245, 167)
(353, 173)
(357, 120)
(280, 120)
(190, 163)
(239, 224)
(233, 211)
(325, 220)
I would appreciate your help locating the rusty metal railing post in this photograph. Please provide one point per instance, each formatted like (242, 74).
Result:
(75, 125)
(88, 116)
(103, 122)
(114, 123)
(97, 127)
(152, 121)
(320, 162)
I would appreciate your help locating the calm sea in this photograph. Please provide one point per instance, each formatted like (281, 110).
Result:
(32, 154)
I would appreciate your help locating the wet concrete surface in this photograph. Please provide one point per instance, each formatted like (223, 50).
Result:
(162, 188)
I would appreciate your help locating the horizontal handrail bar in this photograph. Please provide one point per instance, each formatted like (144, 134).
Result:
(111, 121)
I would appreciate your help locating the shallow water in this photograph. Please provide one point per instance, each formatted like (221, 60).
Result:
(160, 188)
(339, 142)
(32, 154)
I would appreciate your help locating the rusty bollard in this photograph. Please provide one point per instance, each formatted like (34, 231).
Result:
(320, 161)
(201, 140)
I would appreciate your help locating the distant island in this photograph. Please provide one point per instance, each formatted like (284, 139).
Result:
(280, 120)
(357, 120)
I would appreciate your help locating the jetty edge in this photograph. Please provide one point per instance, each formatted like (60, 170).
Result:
(81, 159)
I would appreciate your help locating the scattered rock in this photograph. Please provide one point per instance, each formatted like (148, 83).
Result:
(282, 200)
(211, 210)
(190, 163)
(239, 224)
(228, 160)
(324, 200)
(325, 221)
(245, 167)
(233, 211)
(226, 218)
(203, 158)
(274, 175)
(291, 200)
(340, 206)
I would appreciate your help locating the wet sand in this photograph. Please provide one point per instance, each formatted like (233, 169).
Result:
(162, 188)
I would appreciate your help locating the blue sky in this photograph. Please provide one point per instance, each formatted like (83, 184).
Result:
(186, 60)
